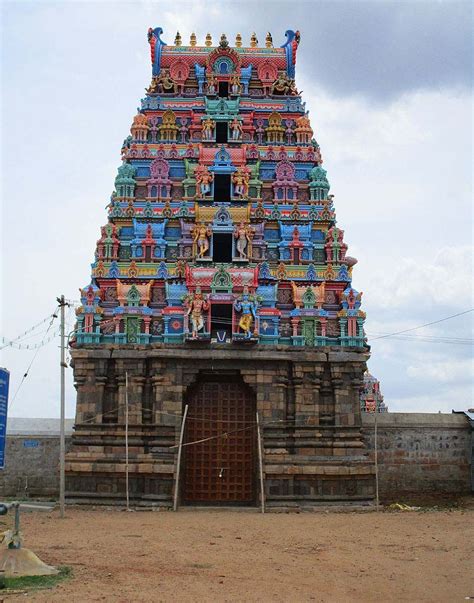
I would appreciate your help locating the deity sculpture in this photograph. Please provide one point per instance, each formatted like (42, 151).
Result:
(247, 305)
(196, 304)
(201, 233)
(244, 234)
(204, 179)
(211, 85)
(240, 180)
(164, 83)
(236, 130)
(153, 87)
(235, 87)
(208, 126)
(284, 85)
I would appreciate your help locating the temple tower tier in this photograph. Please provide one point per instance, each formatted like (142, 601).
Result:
(221, 284)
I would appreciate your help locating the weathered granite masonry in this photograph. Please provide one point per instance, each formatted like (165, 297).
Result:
(308, 404)
(421, 452)
(418, 453)
(31, 466)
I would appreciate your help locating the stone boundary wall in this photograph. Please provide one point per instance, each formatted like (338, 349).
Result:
(420, 452)
(31, 466)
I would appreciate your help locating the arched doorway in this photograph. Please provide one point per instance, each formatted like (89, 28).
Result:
(221, 467)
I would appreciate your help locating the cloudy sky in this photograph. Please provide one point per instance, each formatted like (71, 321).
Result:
(388, 87)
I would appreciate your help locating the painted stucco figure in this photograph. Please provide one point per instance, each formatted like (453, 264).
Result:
(236, 130)
(208, 126)
(244, 234)
(201, 234)
(241, 184)
(204, 179)
(196, 304)
(246, 304)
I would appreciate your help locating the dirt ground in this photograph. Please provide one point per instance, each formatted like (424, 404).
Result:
(240, 556)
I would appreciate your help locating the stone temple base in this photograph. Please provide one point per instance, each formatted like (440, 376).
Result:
(308, 407)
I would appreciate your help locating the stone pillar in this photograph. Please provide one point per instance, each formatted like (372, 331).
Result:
(100, 382)
(135, 397)
(299, 391)
(255, 380)
(283, 408)
(81, 408)
(357, 382)
(316, 387)
(344, 393)
(146, 321)
(121, 398)
(157, 395)
(90, 391)
(339, 397)
(172, 401)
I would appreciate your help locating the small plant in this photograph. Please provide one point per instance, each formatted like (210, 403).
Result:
(35, 582)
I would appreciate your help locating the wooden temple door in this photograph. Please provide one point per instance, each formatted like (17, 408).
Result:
(220, 468)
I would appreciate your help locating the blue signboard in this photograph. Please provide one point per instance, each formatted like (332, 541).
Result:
(31, 443)
(4, 381)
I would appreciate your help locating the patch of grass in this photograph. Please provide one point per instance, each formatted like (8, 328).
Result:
(36, 582)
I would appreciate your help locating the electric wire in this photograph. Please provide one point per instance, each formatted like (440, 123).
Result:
(53, 316)
(275, 422)
(34, 346)
(428, 324)
(396, 335)
(26, 334)
(431, 337)
(225, 434)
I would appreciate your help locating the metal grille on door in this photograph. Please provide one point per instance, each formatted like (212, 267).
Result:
(221, 469)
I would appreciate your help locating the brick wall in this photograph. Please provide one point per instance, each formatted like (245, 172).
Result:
(420, 452)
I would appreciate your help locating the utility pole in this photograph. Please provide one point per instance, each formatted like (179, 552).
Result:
(377, 502)
(62, 438)
(126, 442)
(178, 462)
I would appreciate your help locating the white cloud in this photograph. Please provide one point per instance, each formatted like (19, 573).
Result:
(445, 371)
(400, 172)
(446, 279)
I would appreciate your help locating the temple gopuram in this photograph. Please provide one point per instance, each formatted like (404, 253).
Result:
(371, 398)
(221, 289)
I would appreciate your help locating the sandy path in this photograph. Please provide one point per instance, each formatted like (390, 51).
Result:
(230, 556)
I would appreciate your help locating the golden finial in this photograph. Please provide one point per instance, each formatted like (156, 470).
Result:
(192, 39)
(253, 41)
(269, 40)
(208, 40)
(238, 40)
(177, 40)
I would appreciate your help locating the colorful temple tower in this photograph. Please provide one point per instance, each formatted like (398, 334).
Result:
(221, 284)
(371, 398)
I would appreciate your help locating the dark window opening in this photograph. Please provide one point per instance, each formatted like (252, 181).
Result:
(223, 89)
(222, 247)
(222, 188)
(221, 131)
(221, 321)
